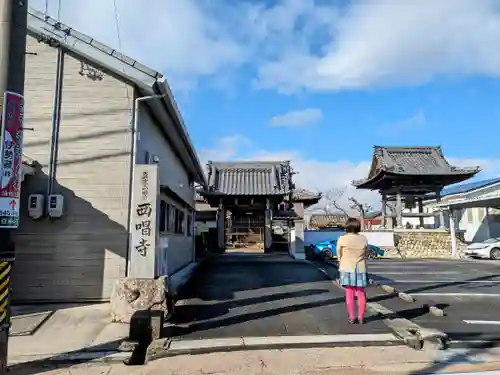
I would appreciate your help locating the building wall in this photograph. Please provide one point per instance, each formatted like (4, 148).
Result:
(78, 256)
(477, 224)
(429, 222)
(298, 207)
(179, 246)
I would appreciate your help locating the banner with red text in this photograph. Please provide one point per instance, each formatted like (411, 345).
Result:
(11, 159)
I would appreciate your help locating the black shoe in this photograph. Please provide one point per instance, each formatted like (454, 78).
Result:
(353, 321)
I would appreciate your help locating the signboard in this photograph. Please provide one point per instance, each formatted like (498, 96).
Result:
(11, 159)
(143, 224)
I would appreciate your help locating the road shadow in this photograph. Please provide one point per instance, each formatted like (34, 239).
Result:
(460, 357)
(176, 331)
(222, 277)
(51, 363)
(187, 313)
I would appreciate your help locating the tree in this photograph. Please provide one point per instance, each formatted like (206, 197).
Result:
(362, 208)
(333, 196)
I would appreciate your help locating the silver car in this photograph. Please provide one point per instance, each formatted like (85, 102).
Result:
(489, 248)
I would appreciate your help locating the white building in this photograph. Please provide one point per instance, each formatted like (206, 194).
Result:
(479, 222)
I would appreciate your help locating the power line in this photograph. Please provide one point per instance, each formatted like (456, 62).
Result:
(117, 23)
(118, 34)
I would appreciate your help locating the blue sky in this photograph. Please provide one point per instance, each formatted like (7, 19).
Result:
(318, 82)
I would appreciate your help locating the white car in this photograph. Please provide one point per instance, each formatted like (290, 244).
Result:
(489, 248)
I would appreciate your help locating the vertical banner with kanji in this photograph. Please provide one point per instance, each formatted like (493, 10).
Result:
(11, 159)
(143, 226)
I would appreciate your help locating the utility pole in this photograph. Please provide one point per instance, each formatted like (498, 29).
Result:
(13, 29)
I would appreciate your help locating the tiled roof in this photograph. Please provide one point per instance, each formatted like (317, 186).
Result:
(326, 221)
(413, 161)
(249, 178)
(304, 195)
(466, 188)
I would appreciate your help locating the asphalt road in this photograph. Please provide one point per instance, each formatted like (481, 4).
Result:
(252, 296)
(438, 276)
(467, 290)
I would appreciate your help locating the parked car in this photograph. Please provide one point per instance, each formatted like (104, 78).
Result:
(328, 250)
(489, 248)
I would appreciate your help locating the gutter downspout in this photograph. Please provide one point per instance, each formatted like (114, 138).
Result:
(56, 122)
(135, 138)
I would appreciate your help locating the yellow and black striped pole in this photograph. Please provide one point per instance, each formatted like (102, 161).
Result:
(5, 268)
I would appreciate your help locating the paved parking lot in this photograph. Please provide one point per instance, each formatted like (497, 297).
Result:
(438, 276)
(468, 292)
(252, 296)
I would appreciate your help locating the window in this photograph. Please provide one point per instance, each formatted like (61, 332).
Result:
(470, 217)
(189, 230)
(163, 216)
(178, 221)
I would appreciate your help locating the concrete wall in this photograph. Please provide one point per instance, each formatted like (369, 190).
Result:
(179, 246)
(172, 172)
(298, 207)
(382, 238)
(78, 256)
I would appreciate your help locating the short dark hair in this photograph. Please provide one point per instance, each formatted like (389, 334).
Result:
(352, 225)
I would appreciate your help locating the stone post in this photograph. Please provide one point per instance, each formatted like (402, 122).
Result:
(299, 252)
(221, 226)
(384, 211)
(453, 233)
(267, 227)
(420, 211)
(143, 236)
(399, 210)
(441, 212)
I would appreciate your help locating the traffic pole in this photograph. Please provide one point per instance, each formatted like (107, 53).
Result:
(13, 30)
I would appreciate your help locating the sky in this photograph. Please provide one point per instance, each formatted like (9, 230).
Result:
(317, 82)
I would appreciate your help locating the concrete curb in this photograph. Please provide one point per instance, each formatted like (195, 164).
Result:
(434, 310)
(168, 348)
(410, 333)
(389, 289)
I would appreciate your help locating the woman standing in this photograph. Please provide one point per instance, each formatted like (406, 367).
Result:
(352, 251)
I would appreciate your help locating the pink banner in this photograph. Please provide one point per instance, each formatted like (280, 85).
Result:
(11, 159)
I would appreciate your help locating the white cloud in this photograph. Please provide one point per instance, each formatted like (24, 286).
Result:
(297, 118)
(299, 44)
(418, 120)
(383, 42)
(324, 175)
(177, 37)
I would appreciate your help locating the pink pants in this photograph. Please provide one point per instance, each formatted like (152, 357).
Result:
(350, 291)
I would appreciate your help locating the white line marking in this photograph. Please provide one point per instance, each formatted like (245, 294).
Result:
(484, 322)
(438, 281)
(417, 273)
(457, 295)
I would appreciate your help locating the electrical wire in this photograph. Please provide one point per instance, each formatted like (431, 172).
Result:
(118, 33)
(46, 8)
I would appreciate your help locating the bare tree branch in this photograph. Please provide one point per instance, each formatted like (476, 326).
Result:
(362, 208)
(332, 196)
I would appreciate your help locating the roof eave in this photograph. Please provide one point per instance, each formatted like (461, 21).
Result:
(162, 87)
